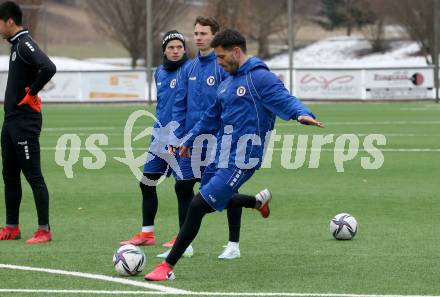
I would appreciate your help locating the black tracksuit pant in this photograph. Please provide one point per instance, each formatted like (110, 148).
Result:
(21, 153)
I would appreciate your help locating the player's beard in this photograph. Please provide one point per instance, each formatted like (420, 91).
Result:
(233, 66)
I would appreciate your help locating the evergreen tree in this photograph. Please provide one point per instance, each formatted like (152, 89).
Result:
(346, 13)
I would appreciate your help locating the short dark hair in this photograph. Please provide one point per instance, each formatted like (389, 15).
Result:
(208, 21)
(11, 10)
(228, 39)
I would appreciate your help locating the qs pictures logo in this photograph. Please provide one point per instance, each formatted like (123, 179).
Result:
(69, 146)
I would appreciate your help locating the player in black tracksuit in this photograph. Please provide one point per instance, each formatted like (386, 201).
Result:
(29, 70)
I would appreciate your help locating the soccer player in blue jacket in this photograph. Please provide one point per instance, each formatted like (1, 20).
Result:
(196, 93)
(245, 109)
(168, 76)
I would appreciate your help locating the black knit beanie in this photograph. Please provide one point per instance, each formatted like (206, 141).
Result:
(172, 35)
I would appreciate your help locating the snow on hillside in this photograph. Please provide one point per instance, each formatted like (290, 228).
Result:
(342, 52)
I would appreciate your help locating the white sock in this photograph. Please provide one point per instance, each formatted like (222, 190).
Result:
(234, 244)
(148, 229)
(44, 227)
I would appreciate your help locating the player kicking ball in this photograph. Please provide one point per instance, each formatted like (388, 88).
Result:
(246, 106)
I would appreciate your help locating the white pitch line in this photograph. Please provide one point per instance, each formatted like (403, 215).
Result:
(420, 109)
(121, 127)
(162, 290)
(303, 294)
(335, 134)
(104, 148)
(278, 124)
(88, 292)
(55, 133)
(80, 128)
(262, 294)
(369, 123)
(97, 277)
(404, 150)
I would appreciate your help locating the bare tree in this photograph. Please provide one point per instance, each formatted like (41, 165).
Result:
(375, 32)
(254, 18)
(125, 21)
(345, 13)
(417, 18)
(230, 13)
(266, 20)
(259, 20)
(303, 10)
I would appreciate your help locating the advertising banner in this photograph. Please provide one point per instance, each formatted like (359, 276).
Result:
(415, 83)
(113, 86)
(328, 84)
(64, 87)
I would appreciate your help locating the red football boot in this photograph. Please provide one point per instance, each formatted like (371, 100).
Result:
(10, 233)
(40, 236)
(161, 272)
(141, 238)
(264, 198)
(169, 244)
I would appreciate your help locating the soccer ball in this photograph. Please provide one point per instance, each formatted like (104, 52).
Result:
(343, 226)
(129, 260)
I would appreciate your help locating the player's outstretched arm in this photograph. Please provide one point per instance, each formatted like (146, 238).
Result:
(310, 121)
(274, 96)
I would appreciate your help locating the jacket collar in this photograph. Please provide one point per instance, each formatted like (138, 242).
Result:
(14, 38)
(251, 64)
(207, 58)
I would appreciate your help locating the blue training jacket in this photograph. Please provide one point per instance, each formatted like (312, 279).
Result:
(197, 92)
(167, 84)
(246, 106)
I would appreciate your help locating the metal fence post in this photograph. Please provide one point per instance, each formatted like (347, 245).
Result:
(290, 4)
(149, 48)
(435, 58)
